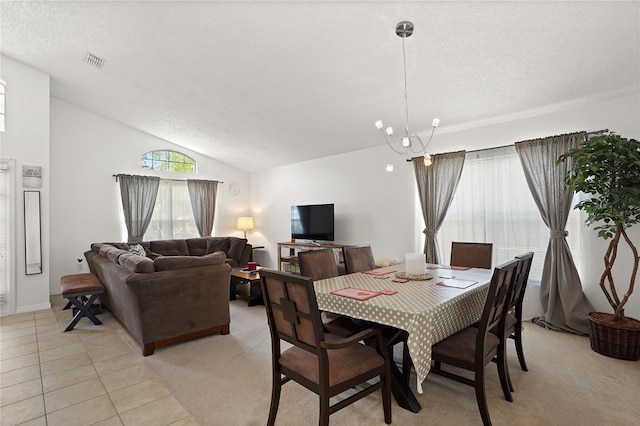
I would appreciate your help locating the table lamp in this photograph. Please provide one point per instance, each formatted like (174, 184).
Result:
(244, 223)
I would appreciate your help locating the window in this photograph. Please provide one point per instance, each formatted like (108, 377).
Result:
(493, 204)
(172, 216)
(171, 161)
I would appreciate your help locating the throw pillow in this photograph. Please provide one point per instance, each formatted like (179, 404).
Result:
(138, 249)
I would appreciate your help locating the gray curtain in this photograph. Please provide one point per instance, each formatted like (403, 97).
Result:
(565, 305)
(138, 195)
(437, 185)
(203, 203)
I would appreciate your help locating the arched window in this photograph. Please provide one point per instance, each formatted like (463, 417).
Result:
(166, 160)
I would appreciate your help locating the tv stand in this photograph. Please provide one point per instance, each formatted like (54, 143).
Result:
(288, 254)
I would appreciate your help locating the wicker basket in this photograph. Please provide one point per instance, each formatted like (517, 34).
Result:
(620, 341)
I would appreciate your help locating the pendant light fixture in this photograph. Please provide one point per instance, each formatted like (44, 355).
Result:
(410, 142)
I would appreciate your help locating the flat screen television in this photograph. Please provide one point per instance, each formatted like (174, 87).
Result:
(312, 222)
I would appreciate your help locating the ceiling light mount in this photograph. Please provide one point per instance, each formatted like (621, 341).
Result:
(409, 142)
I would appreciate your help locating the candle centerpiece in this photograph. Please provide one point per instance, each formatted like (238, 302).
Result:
(414, 267)
(414, 263)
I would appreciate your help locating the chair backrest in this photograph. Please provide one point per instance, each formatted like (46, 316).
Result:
(473, 255)
(497, 301)
(358, 259)
(522, 276)
(318, 264)
(292, 310)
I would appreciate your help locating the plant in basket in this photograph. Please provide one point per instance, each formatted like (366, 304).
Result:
(607, 167)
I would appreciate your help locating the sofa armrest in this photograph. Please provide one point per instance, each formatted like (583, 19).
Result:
(180, 301)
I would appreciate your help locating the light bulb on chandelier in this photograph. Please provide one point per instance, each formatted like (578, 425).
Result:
(409, 142)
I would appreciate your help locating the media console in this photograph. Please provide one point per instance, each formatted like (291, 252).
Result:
(288, 254)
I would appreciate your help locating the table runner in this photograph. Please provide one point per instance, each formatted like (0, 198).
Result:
(427, 311)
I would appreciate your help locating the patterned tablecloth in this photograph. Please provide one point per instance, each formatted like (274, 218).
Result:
(427, 311)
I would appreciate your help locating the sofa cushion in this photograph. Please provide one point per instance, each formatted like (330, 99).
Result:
(170, 247)
(166, 263)
(136, 263)
(197, 246)
(215, 244)
(110, 252)
(236, 246)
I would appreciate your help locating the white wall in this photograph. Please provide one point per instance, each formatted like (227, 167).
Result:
(372, 206)
(380, 208)
(86, 151)
(26, 140)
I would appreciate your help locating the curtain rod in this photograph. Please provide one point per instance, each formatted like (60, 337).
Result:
(593, 132)
(174, 180)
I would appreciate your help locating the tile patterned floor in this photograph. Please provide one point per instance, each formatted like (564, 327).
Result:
(93, 375)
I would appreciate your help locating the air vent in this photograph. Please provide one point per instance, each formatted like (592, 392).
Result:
(94, 61)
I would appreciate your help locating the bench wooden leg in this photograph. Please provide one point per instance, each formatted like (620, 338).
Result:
(83, 310)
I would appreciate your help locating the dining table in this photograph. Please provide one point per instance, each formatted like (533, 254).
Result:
(429, 307)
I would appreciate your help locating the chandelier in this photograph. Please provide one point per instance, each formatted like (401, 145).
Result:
(409, 142)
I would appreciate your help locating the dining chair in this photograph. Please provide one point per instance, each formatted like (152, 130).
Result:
(358, 259)
(474, 347)
(513, 319)
(318, 264)
(473, 255)
(326, 364)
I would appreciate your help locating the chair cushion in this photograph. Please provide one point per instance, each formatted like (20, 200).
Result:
(344, 364)
(462, 346)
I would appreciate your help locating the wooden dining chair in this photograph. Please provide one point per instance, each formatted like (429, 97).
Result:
(358, 259)
(318, 264)
(474, 347)
(472, 255)
(326, 364)
(513, 319)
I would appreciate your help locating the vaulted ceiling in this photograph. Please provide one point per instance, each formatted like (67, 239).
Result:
(260, 84)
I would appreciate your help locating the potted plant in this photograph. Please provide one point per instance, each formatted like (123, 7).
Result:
(607, 167)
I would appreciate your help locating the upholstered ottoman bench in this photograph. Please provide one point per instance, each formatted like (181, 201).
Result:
(81, 290)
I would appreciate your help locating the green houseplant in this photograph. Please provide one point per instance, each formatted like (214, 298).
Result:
(607, 167)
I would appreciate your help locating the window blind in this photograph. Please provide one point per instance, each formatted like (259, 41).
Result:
(493, 204)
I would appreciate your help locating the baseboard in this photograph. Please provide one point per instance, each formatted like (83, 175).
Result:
(33, 308)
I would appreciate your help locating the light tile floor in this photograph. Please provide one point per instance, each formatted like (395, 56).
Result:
(92, 375)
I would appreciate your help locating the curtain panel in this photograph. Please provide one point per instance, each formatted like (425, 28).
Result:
(436, 187)
(138, 194)
(565, 305)
(203, 202)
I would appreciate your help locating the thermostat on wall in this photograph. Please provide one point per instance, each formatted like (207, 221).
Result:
(32, 176)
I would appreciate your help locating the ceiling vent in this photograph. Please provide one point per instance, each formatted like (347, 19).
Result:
(94, 61)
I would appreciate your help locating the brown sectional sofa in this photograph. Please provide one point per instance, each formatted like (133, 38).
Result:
(177, 290)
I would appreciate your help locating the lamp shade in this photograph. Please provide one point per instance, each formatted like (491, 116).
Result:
(245, 222)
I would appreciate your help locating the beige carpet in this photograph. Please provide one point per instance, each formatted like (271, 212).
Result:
(226, 380)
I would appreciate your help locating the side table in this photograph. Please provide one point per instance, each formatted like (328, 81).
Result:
(246, 285)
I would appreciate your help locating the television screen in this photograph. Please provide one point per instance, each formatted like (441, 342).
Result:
(312, 222)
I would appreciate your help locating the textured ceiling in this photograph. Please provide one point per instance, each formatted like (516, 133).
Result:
(261, 84)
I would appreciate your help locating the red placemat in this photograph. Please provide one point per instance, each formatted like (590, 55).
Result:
(360, 294)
